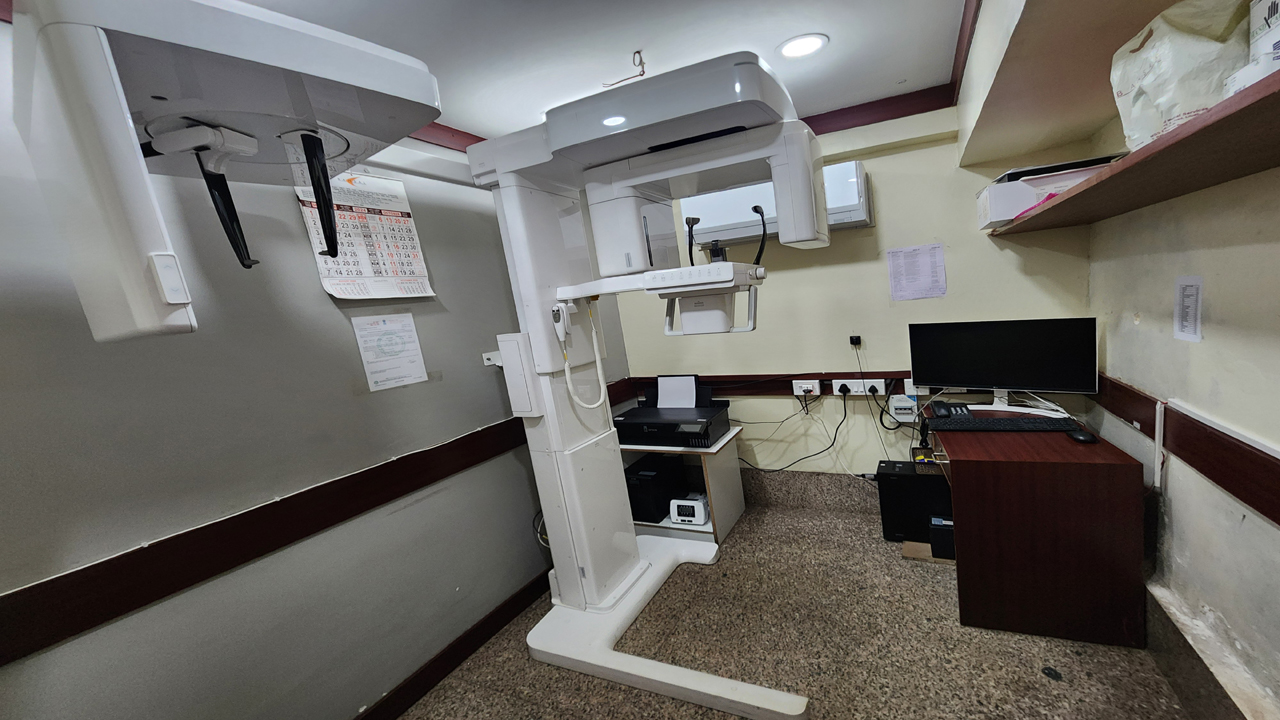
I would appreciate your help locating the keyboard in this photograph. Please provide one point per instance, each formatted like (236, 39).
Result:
(1003, 424)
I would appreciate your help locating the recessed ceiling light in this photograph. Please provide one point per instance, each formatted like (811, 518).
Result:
(803, 45)
(615, 120)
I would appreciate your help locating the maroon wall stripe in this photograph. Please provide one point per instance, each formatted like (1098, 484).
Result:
(62, 607)
(892, 108)
(1127, 403)
(621, 391)
(753, 385)
(445, 136)
(1249, 474)
(398, 701)
(6, 11)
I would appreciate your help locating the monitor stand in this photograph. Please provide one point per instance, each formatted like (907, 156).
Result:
(1000, 402)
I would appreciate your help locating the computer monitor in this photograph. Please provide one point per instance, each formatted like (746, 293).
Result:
(1057, 356)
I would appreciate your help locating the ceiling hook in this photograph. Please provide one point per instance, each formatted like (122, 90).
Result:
(637, 59)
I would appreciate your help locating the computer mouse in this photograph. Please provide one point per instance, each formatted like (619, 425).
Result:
(1082, 436)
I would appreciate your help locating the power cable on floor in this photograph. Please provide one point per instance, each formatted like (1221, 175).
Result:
(840, 460)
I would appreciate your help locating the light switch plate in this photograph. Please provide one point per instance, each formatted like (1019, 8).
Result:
(806, 387)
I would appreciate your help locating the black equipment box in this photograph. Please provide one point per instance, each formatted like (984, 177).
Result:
(698, 427)
(653, 482)
(909, 499)
(942, 538)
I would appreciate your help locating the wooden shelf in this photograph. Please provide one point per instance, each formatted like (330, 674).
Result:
(679, 450)
(666, 523)
(1239, 136)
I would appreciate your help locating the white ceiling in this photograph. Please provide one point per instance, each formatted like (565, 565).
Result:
(502, 63)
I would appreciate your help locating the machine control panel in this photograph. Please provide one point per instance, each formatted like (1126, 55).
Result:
(696, 275)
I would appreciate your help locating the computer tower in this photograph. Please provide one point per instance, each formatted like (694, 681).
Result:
(909, 499)
(653, 482)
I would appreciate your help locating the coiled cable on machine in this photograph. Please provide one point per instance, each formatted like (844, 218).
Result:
(595, 346)
(764, 233)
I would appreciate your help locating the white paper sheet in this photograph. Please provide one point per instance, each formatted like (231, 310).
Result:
(379, 253)
(390, 350)
(917, 272)
(677, 391)
(1186, 314)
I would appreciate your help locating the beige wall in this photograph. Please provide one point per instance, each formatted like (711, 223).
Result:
(108, 446)
(813, 300)
(1221, 557)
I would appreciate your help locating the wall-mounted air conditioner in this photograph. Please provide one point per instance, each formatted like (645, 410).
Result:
(726, 215)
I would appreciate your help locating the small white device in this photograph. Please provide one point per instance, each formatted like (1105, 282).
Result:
(690, 511)
(902, 408)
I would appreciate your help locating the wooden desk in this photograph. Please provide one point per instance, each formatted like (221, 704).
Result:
(1048, 535)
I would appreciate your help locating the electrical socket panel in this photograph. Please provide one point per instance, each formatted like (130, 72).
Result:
(806, 387)
(860, 387)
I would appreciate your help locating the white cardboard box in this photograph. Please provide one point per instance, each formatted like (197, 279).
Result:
(1263, 18)
(1264, 49)
(1250, 74)
(1060, 182)
(1000, 203)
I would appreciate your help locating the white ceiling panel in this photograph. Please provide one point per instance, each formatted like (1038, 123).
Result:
(502, 63)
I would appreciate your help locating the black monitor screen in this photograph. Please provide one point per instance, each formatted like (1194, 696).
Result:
(1036, 355)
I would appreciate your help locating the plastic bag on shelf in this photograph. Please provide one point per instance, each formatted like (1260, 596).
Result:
(1177, 67)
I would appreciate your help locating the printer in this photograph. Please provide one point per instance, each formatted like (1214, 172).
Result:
(700, 426)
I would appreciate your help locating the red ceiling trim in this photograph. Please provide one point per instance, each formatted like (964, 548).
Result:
(912, 103)
(6, 11)
(877, 111)
(968, 22)
(444, 136)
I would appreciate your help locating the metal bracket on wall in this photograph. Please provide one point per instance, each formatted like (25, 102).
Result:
(493, 358)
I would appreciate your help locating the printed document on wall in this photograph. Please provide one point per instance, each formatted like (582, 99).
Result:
(379, 253)
(390, 350)
(1186, 315)
(917, 272)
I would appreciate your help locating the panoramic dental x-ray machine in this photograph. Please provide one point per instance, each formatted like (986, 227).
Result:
(107, 93)
(584, 205)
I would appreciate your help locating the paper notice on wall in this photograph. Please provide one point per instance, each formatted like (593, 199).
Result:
(917, 272)
(379, 253)
(390, 351)
(1186, 315)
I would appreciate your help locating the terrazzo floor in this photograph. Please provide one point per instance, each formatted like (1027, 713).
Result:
(808, 598)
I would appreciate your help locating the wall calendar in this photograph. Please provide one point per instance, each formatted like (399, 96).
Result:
(379, 253)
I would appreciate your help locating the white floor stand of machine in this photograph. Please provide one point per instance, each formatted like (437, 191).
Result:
(582, 640)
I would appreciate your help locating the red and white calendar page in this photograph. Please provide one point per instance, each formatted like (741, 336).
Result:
(379, 254)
